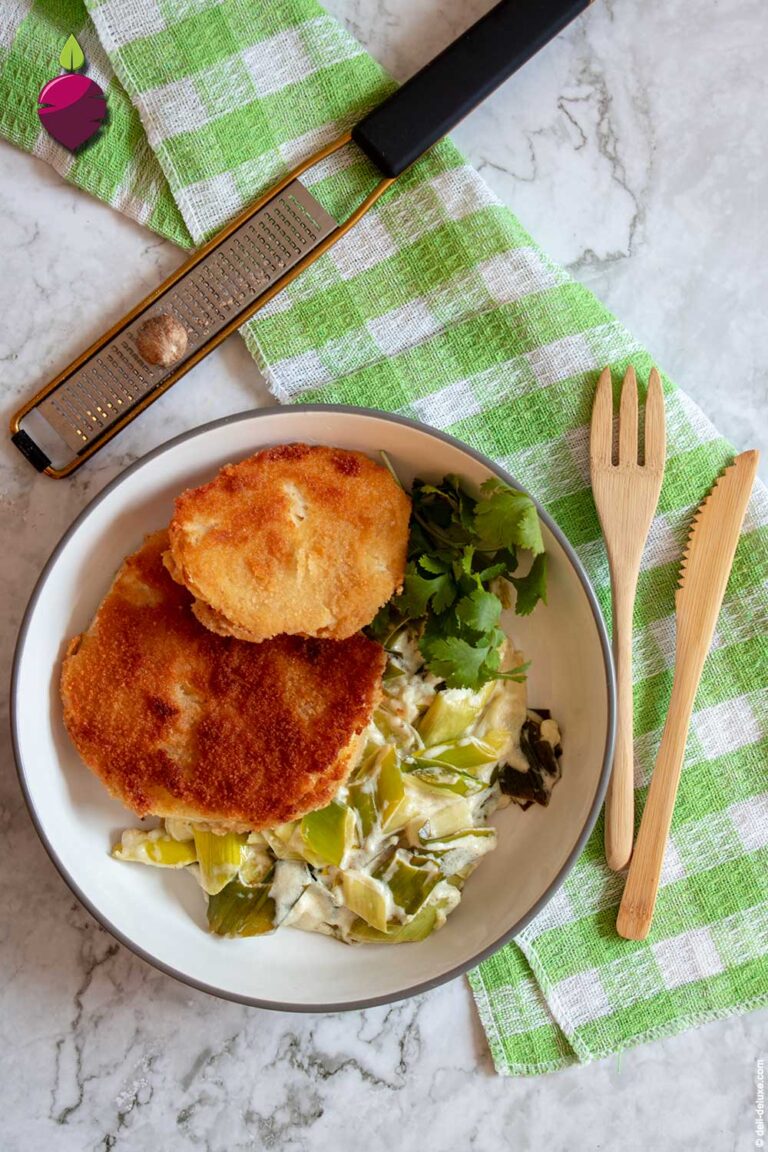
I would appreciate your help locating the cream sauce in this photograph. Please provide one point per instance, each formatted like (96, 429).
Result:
(429, 813)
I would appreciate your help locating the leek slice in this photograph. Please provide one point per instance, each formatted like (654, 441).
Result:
(219, 858)
(239, 910)
(367, 898)
(460, 853)
(410, 884)
(316, 911)
(328, 833)
(451, 817)
(446, 843)
(155, 847)
(421, 926)
(242, 910)
(468, 753)
(452, 712)
(392, 728)
(430, 774)
(390, 793)
(366, 764)
(255, 863)
(507, 707)
(284, 841)
(363, 800)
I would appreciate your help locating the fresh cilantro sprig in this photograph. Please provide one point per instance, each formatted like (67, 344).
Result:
(459, 547)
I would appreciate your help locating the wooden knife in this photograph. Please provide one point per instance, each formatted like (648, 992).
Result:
(704, 573)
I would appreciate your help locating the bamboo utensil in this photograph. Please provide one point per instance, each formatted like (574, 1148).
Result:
(626, 495)
(704, 573)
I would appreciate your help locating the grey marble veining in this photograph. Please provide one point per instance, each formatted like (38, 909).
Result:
(633, 149)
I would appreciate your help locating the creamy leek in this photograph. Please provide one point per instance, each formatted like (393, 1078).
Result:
(387, 859)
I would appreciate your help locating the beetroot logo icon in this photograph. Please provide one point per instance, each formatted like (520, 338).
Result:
(72, 107)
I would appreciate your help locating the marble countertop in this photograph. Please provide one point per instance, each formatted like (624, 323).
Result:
(633, 150)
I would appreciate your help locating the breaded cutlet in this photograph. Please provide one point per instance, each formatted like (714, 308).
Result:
(301, 539)
(177, 721)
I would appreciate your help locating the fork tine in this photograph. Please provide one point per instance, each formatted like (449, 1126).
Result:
(628, 419)
(655, 430)
(601, 431)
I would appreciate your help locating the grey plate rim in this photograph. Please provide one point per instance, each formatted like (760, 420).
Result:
(424, 985)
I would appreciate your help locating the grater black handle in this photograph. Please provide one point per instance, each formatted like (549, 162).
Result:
(433, 101)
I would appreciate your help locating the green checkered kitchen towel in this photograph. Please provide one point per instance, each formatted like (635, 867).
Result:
(440, 306)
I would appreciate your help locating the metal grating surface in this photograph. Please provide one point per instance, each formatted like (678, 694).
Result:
(210, 295)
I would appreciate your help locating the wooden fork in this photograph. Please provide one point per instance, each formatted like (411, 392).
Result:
(626, 495)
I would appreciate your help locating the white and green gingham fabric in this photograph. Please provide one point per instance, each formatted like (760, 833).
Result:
(441, 307)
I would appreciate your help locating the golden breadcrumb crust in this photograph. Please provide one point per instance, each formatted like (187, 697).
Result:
(177, 721)
(306, 540)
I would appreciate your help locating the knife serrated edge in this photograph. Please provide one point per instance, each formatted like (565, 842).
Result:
(709, 552)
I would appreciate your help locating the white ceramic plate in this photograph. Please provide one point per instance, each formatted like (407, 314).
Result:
(161, 914)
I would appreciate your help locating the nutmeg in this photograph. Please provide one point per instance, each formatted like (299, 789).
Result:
(162, 340)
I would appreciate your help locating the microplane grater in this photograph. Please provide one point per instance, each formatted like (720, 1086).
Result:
(209, 296)
(206, 298)
(269, 244)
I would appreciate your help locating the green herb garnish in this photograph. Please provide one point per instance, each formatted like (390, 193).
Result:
(458, 548)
